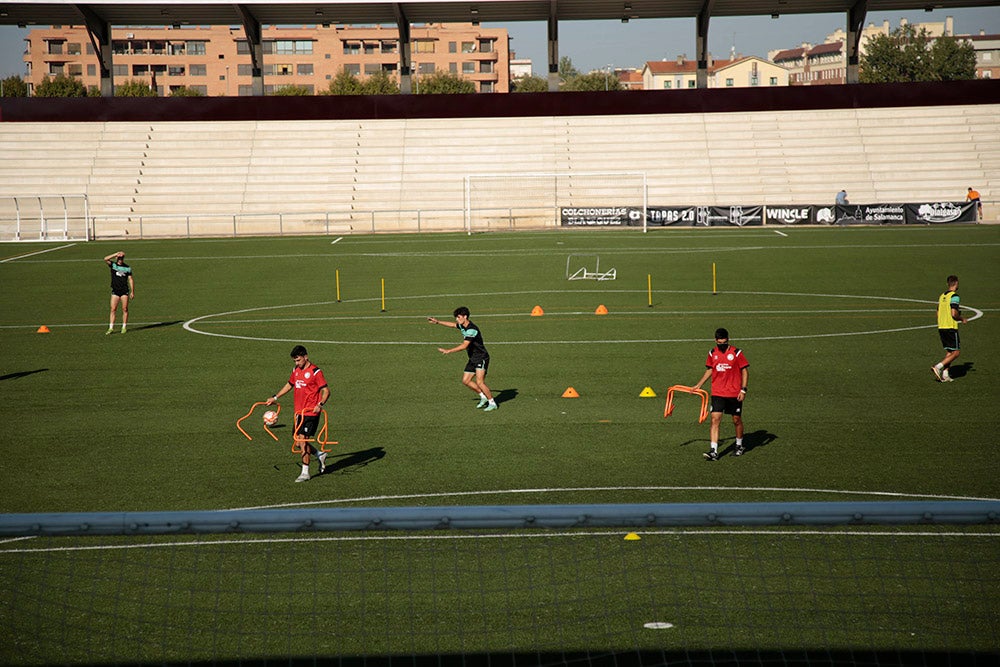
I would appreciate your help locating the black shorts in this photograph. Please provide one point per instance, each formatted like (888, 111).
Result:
(949, 339)
(117, 292)
(475, 363)
(306, 425)
(729, 406)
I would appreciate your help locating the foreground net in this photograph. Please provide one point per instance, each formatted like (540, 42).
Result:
(785, 594)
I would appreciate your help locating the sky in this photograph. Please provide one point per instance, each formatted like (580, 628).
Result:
(594, 45)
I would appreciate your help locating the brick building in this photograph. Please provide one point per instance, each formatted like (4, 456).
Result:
(215, 60)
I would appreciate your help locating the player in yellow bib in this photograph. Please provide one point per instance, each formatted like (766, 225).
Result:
(948, 317)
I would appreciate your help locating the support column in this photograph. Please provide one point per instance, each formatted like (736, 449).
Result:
(405, 54)
(701, 43)
(553, 48)
(251, 27)
(100, 37)
(855, 24)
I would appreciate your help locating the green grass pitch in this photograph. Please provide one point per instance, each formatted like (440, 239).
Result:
(838, 326)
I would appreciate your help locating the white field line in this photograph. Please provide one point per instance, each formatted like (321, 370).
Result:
(39, 252)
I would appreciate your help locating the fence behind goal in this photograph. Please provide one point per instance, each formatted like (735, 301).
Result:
(499, 202)
(719, 583)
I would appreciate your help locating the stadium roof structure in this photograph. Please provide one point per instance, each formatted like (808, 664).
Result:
(286, 12)
(100, 17)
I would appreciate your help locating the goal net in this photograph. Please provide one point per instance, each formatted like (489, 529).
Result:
(702, 584)
(44, 218)
(501, 202)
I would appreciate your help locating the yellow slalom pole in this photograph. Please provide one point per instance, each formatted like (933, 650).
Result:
(338, 285)
(649, 288)
(713, 279)
(383, 295)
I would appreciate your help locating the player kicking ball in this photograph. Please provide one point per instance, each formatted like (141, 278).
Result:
(474, 376)
(727, 366)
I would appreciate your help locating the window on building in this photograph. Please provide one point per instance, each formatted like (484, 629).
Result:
(91, 70)
(486, 46)
(468, 68)
(372, 68)
(453, 68)
(353, 68)
(773, 81)
(452, 47)
(140, 47)
(55, 69)
(729, 83)
(425, 68)
(197, 70)
(486, 87)
(468, 47)
(692, 83)
(352, 48)
(486, 67)
(55, 48)
(666, 85)
(74, 69)
(242, 47)
(158, 48)
(388, 47)
(119, 71)
(423, 46)
(244, 70)
(119, 48)
(158, 69)
(177, 48)
(304, 69)
(140, 70)
(89, 49)
(176, 70)
(73, 48)
(196, 48)
(282, 69)
(371, 48)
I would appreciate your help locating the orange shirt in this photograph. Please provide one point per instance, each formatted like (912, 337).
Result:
(972, 196)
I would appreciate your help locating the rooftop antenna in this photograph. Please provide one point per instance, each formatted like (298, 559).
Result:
(732, 49)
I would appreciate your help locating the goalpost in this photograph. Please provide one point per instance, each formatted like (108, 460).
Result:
(512, 201)
(44, 218)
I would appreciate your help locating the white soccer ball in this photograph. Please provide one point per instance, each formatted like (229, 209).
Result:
(270, 418)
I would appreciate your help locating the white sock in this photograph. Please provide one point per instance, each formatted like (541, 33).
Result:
(715, 446)
(739, 442)
(305, 469)
(939, 366)
(492, 401)
(482, 395)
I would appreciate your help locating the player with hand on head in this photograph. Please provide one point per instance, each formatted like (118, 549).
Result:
(727, 366)
(122, 288)
(311, 392)
(474, 376)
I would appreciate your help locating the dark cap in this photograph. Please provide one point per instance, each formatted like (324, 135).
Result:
(721, 333)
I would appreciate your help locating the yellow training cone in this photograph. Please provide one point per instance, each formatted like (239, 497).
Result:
(647, 393)
(601, 310)
(570, 393)
(632, 536)
(537, 311)
(43, 329)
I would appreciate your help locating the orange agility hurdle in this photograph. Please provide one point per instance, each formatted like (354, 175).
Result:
(299, 443)
(669, 408)
(277, 410)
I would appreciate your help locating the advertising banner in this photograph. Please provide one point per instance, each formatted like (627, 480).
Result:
(599, 216)
(940, 212)
(791, 214)
(740, 216)
(665, 216)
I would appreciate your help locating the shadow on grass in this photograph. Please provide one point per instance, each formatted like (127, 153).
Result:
(156, 325)
(14, 376)
(353, 461)
(957, 371)
(505, 395)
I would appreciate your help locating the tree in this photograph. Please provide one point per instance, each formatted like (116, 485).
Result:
(907, 55)
(529, 84)
(184, 91)
(442, 83)
(599, 80)
(379, 83)
(953, 60)
(13, 86)
(344, 83)
(292, 91)
(566, 69)
(134, 88)
(60, 86)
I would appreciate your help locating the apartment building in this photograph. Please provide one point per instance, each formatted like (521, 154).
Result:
(738, 72)
(215, 60)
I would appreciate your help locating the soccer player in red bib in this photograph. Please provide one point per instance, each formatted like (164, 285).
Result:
(727, 366)
(311, 392)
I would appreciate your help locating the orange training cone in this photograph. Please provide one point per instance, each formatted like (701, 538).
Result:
(43, 329)
(570, 393)
(601, 310)
(537, 311)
